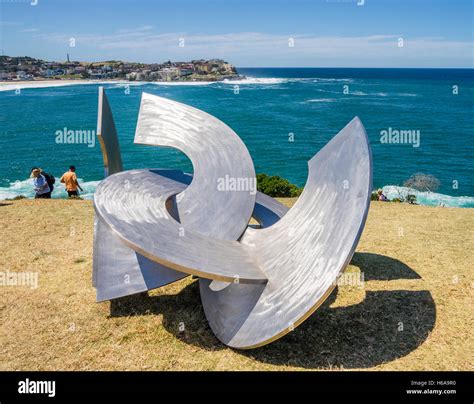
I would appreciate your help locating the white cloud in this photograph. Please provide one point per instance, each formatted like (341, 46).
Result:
(261, 49)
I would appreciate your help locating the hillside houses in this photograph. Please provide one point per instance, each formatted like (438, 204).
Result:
(26, 68)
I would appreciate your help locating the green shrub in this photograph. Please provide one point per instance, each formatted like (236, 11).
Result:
(374, 196)
(276, 186)
(16, 198)
(411, 199)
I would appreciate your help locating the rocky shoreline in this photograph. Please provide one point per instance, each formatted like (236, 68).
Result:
(18, 69)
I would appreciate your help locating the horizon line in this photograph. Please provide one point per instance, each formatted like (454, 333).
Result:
(254, 67)
(346, 67)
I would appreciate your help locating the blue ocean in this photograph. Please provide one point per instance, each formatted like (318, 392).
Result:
(266, 109)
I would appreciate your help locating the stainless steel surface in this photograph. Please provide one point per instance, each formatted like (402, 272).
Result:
(256, 284)
(133, 204)
(112, 158)
(124, 272)
(216, 153)
(303, 253)
(117, 270)
(107, 135)
(267, 210)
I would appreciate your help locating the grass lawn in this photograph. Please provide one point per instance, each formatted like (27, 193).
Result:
(412, 312)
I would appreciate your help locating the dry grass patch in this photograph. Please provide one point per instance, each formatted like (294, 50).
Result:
(413, 311)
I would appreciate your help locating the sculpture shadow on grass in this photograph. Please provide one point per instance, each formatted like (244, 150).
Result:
(385, 326)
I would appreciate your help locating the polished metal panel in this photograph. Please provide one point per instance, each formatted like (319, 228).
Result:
(267, 210)
(257, 284)
(117, 270)
(124, 272)
(112, 158)
(303, 253)
(107, 135)
(217, 154)
(133, 204)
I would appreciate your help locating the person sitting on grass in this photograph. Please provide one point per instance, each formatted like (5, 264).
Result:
(69, 179)
(42, 189)
(382, 197)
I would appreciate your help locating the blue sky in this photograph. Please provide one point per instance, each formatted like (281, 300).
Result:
(326, 33)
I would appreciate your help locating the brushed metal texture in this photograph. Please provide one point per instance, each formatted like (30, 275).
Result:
(303, 253)
(107, 135)
(133, 204)
(216, 153)
(125, 272)
(257, 284)
(117, 270)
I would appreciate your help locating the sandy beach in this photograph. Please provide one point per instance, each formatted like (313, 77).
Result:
(411, 310)
(14, 85)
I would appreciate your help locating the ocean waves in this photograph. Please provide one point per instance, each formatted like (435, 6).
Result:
(429, 198)
(256, 80)
(311, 100)
(25, 188)
(263, 108)
(13, 86)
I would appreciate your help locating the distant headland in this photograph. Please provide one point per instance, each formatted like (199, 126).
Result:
(25, 68)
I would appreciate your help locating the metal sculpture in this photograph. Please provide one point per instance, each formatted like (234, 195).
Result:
(155, 226)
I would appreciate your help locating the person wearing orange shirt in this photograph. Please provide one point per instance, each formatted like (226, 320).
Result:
(69, 179)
